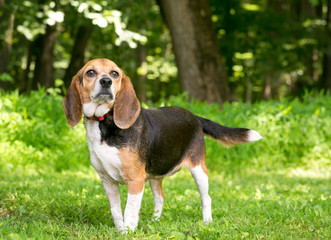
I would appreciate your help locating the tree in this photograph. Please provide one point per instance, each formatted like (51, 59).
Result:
(6, 23)
(201, 70)
(78, 52)
(271, 49)
(141, 75)
(43, 72)
(326, 76)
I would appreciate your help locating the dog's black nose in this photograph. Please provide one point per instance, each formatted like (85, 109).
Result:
(105, 82)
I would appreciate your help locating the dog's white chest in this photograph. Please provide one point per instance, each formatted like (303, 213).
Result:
(103, 157)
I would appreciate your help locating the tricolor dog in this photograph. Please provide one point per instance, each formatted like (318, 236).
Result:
(132, 145)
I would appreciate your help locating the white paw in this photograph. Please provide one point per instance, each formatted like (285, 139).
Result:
(207, 219)
(119, 224)
(122, 230)
(131, 222)
(130, 227)
(157, 215)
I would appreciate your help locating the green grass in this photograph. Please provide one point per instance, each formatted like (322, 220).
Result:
(278, 188)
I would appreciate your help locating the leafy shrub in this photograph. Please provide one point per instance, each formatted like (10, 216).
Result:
(296, 132)
(34, 133)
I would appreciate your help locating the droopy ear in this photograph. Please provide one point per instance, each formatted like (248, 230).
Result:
(72, 103)
(126, 106)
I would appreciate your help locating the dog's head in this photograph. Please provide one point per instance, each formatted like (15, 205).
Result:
(99, 82)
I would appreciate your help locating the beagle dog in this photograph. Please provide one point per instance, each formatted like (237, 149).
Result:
(132, 145)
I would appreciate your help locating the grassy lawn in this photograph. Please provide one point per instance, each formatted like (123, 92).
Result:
(278, 188)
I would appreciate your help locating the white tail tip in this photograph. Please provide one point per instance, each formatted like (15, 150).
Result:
(253, 136)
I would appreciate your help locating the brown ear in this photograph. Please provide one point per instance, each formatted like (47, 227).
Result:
(126, 106)
(72, 103)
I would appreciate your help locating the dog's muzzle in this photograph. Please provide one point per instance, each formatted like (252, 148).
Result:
(104, 93)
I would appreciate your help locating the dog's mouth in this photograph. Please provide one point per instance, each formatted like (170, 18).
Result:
(103, 96)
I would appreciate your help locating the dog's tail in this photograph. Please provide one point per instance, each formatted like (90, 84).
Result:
(226, 135)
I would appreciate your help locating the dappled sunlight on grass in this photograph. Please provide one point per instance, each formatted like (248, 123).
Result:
(246, 203)
(87, 174)
(243, 204)
(310, 173)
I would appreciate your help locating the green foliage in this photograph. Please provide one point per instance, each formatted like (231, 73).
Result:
(34, 132)
(276, 188)
(270, 42)
(5, 77)
(295, 132)
(266, 45)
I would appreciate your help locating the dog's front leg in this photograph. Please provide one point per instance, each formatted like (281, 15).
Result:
(133, 204)
(113, 194)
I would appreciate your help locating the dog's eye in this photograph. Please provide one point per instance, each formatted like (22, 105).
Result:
(114, 74)
(91, 73)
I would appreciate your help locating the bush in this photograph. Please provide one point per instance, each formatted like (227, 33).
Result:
(34, 132)
(296, 133)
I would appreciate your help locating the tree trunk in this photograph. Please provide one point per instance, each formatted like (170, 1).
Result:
(201, 70)
(6, 47)
(43, 72)
(267, 88)
(25, 85)
(6, 21)
(77, 53)
(326, 76)
(141, 77)
(301, 11)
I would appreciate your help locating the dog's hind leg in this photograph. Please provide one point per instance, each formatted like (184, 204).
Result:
(200, 176)
(156, 186)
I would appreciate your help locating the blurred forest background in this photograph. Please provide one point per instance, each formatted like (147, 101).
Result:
(215, 50)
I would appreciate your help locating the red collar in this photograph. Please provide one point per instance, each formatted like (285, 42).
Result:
(99, 118)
